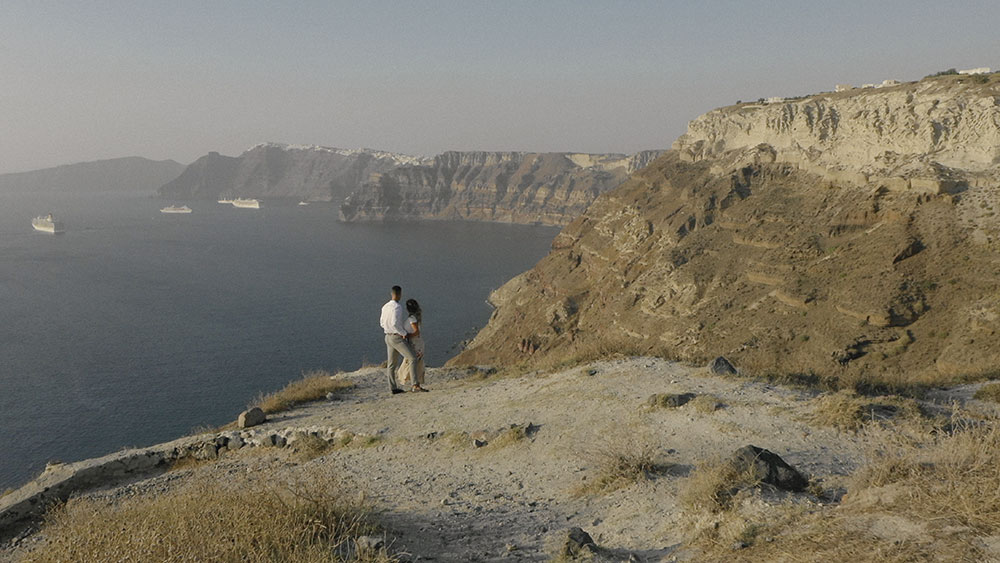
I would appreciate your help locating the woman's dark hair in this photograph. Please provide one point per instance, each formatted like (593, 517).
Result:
(413, 308)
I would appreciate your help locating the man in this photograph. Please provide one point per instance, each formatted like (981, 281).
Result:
(393, 321)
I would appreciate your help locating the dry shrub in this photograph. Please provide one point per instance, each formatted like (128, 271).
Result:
(622, 463)
(989, 392)
(213, 519)
(313, 386)
(310, 446)
(706, 404)
(923, 495)
(714, 484)
(847, 410)
(513, 435)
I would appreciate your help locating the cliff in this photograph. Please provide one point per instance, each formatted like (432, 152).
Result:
(547, 188)
(131, 174)
(847, 237)
(273, 170)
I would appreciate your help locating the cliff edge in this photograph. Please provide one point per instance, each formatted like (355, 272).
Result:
(514, 187)
(848, 237)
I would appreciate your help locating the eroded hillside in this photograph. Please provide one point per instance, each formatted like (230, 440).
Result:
(792, 257)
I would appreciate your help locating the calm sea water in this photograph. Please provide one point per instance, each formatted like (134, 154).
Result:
(135, 326)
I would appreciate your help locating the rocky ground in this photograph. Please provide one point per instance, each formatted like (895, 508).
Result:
(450, 485)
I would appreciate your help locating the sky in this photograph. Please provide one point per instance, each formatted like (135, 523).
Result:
(82, 81)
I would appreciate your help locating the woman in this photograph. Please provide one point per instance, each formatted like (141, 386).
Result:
(417, 343)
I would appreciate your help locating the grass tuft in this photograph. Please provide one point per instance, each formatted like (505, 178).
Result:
(623, 463)
(989, 392)
(846, 410)
(714, 484)
(214, 519)
(706, 404)
(313, 386)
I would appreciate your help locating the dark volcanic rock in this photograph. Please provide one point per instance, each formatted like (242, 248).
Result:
(769, 468)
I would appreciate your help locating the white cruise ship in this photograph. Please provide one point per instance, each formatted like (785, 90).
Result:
(175, 209)
(47, 224)
(246, 203)
(226, 201)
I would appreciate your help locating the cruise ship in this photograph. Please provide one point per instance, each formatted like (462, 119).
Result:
(246, 203)
(47, 224)
(175, 209)
(226, 201)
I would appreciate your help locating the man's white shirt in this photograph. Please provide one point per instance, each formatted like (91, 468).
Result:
(393, 318)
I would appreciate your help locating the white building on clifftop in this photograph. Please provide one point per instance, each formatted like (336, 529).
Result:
(980, 70)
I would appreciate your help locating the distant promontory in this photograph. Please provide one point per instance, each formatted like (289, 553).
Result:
(372, 185)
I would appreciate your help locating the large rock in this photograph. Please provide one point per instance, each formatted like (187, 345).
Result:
(251, 417)
(721, 366)
(769, 468)
(577, 543)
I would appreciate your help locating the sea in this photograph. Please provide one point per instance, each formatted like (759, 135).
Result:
(136, 327)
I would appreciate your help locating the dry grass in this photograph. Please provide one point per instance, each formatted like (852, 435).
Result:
(706, 404)
(989, 392)
(313, 386)
(923, 495)
(509, 437)
(714, 484)
(622, 463)
(213, 519)
(847, 410)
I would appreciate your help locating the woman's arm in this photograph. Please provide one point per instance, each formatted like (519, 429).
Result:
(416, 329)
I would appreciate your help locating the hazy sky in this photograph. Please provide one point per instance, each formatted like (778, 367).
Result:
(175, 79)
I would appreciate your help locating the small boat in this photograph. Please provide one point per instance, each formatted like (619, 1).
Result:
(246, 203)
(303, 203)
(175, 209)
(226, 201)
(46, 224)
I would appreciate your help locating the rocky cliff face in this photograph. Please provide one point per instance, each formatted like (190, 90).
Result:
(273, 170)
(931, 135)
(852, 237)
(547, 188)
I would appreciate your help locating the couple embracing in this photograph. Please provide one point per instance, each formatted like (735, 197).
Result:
(403, 340)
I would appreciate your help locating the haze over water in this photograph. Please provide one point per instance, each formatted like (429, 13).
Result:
(135, 326)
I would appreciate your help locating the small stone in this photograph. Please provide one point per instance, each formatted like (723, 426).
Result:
(479, 443)
(251, 417)
(740, 545)
(592, 372)
(670, 400)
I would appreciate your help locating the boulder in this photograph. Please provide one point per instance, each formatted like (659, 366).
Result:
(769, 468)
(578, 542)
(251, 417)
(721, 366)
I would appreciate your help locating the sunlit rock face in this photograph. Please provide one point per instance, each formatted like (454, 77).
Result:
(851, 236)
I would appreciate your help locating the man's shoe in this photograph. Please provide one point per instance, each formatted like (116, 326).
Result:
(397, 391)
